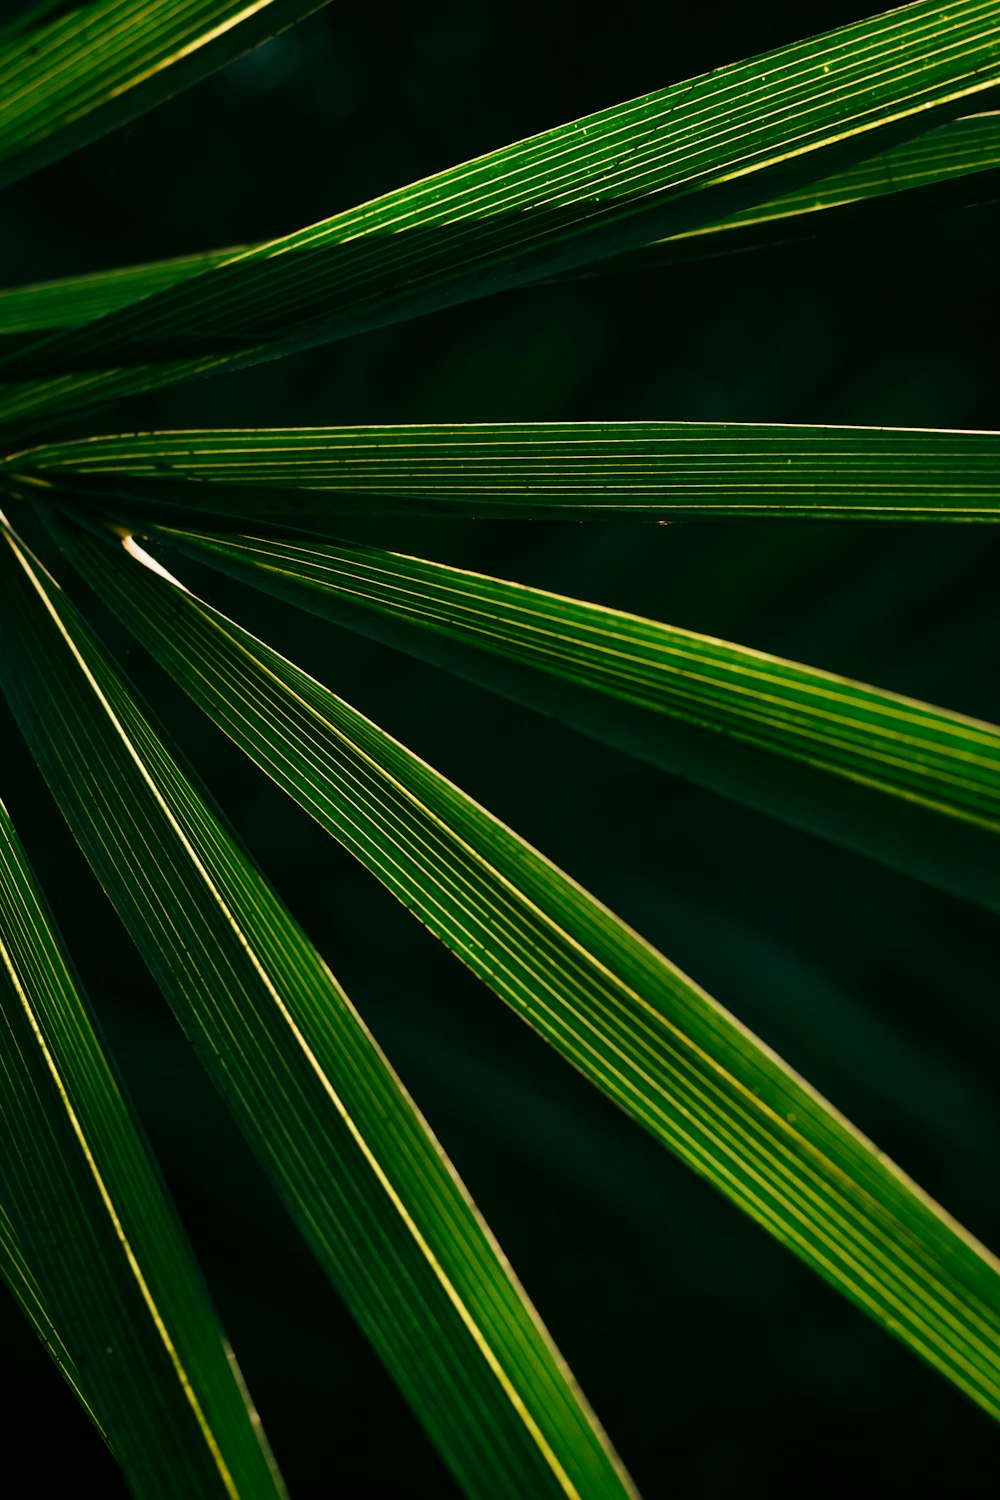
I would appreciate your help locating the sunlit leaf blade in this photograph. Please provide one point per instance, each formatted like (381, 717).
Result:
(954, 164)
(957, 163)
(73, 78)
(618, 1010)
(22, 1284)
(312, 477)
(907, 783)
(77, 299)
(366, 1182)
(113, 1267)
(669, 162)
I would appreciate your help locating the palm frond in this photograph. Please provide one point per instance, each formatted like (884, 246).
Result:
(866, 125)
(22, 1283)
(365, 1181)
(664, 164)
(901, 781)
(619, 1011)
(309, 478)
(144, 1346)
(955, 163)
(73, 78)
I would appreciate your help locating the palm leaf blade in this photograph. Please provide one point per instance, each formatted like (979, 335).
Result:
(957, 163)
(72, 300)
(22, 1283)
(902, 781)
(118, 1281)
(368, 1186)
(625, 1017)
(663, 164)
(74, 78)
(311, 477)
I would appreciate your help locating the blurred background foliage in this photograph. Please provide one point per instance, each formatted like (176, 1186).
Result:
(716, 1361)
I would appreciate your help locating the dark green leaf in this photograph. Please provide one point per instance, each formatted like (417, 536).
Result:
(117, 1278)
(912, 785)
(103, 62)
(667, 163)
(956, 163)
(618, 1010)
(22, 1284)
(310, 478)
(77, 299)
(368, 1185)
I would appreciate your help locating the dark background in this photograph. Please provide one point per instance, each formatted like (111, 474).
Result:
(717, 1363)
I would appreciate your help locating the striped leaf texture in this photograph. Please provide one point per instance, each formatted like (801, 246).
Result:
(113, 1269)
(866, 124)
(365, 1181)
(904, 782)
(310, 478)
(22, 1283)
(663, 164)
(956, 163)
(73, 77)
(630, 1021)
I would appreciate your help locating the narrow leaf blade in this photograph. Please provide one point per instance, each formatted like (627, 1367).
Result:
(617, 1009)
(22, 1283)
(955, 164)
(367, 1184)
(103, 62)
(904, 782)
(72, 300)
(117, 1278)
(660, 165)
(309, 478)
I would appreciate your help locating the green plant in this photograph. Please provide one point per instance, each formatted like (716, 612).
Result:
(700, 168)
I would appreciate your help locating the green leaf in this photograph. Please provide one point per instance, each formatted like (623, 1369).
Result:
(367, 1184)
(660, 165)
(619, 1011)
(73, 300)
(956, 163)
(915, 786)
(118, 1281)
(310, 478)
(103, 62)
(22, 1283)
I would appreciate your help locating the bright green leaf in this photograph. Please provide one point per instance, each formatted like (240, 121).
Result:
(664, 164)
(912, 785)
(310, 478)
(619, 1011)
(103, 62)
(367, 1184)
(955, 163)
(113, 1267)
